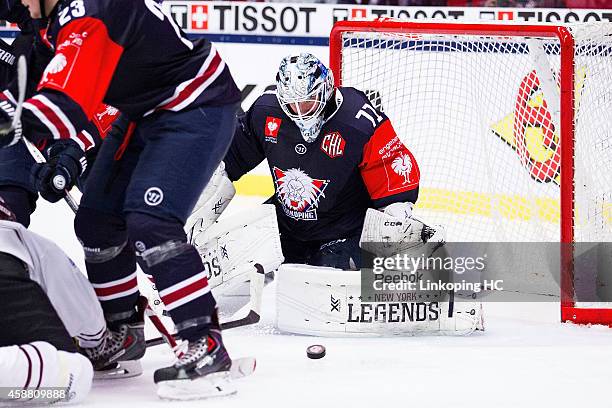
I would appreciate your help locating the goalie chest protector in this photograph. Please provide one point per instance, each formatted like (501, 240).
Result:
(323, 188)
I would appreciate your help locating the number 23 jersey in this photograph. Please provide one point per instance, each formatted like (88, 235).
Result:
(128, 54)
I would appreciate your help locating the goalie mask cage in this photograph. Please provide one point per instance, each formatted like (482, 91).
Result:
(511, 126)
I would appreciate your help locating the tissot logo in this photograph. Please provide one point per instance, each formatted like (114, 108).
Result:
(243, 17)
(359, 13)
(199, 17)
(179, 14)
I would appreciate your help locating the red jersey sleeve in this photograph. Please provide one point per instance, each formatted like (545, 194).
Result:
(388, 169)
(74, 83)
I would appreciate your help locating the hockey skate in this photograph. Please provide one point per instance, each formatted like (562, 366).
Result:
(202, 372)
(119, 353)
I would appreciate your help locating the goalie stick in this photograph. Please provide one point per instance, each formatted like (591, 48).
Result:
(256, 285)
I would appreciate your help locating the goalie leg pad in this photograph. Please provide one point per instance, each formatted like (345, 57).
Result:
(212, 202)
(230, 248)
(326, 302)
(39, 365)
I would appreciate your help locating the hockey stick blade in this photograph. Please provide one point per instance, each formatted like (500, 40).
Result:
(251, 318)
(254, 315)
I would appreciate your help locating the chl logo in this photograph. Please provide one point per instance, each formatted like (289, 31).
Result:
(333, 145)
(153, 196)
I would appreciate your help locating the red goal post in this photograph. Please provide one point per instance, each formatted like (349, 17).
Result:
(362, 51)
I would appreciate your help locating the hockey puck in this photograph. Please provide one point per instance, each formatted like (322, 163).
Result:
(315, 351)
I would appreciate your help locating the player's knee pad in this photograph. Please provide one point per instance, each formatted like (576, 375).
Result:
(176, 267)
(102, 236)
(156, 239)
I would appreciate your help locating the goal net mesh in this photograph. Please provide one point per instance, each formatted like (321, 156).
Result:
(481, 114)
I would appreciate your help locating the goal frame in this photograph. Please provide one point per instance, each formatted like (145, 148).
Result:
(569, 311)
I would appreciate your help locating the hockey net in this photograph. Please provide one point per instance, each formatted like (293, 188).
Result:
(511, 126)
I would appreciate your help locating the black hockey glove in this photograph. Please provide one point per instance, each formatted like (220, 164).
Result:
(59, 174)
(8, 135)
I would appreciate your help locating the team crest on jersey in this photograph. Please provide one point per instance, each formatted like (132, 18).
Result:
(333, 144)
(271, 128)
(400, 167)
(59, 68)
(104, 119)
(298, 193)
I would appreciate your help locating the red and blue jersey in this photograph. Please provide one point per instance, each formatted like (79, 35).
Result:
(124, 53)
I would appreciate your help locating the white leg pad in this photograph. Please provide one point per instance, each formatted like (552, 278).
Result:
(326, 302)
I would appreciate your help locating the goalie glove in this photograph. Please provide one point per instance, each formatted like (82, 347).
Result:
(387, 235)
(403, 211)
(9, 135)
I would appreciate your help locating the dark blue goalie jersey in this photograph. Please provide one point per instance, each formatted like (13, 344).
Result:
(323, 189)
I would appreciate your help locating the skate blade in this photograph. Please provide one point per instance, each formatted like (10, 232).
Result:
(123, 369)
(242, 367)
(211, 386)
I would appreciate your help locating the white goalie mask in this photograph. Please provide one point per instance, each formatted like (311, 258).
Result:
(303, 87)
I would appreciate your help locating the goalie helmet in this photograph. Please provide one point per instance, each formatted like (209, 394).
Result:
(303, 87)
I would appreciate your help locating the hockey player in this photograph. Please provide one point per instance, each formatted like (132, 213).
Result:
(17, 167)
(332, 156)
(342, 178)
(45, 301)
(181, 100)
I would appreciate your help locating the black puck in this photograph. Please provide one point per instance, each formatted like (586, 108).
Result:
(315, 351)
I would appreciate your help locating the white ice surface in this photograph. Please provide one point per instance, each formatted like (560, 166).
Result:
(526, 358)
